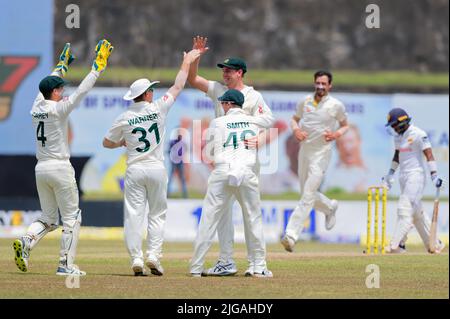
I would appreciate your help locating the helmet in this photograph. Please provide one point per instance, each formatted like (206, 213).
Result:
(398, 119)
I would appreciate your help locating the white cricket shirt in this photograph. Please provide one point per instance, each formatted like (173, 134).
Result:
(143, 128)
(411, 145)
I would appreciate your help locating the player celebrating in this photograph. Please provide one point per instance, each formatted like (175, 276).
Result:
(55, 176)
(411, 143)
(141, 130)
(235, 174)
(233, 71)
(318, 116)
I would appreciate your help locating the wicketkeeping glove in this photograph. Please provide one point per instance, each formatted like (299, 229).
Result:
(103, 51)
(65, 59)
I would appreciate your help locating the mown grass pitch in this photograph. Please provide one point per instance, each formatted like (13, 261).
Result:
(315, 270)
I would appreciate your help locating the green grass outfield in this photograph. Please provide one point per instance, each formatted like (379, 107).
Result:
(315, 271)
(270, 79)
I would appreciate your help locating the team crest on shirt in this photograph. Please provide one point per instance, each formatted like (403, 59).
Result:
(410, 140)
(165, 98)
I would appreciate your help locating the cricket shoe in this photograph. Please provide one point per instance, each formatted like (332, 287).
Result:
(155, 266)
(401, 249)
(21, 253)
(249, 272)
(266, 273)
(222, 269)
(72, 270)
(138, 267)
(439, 248)
(330, 219)
(288, 243)
(196, 274)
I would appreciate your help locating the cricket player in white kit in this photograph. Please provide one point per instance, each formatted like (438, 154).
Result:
(411, 148)
(141, 129)
(235, 174)
(254, 105)
(319, 115)
(55, 176)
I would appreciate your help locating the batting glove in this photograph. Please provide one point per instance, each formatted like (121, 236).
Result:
(103, 51)
(437, 181)
(65, 59)
(387, 181)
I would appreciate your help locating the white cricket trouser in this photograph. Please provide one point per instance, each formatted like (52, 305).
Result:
(313, 163)
(57, 188)
(216, 204)
(225, 232)
(410, 210)
(145, 196)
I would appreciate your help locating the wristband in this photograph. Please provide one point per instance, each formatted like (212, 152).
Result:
(394, 166)
(432, 166)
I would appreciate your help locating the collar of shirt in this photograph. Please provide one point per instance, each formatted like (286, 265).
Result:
(322, 101)
(140, 104)
(235, 110)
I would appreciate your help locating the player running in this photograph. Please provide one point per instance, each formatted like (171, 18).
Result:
(55, 176)
(411, 143)
(235, 174)
(318, 115)
(233, 71)
(141, 129)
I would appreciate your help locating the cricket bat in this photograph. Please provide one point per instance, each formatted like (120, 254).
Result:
(433, 229)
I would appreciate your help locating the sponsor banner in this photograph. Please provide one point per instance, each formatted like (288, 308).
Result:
(25, 58)
(183, 217)
(360, 158)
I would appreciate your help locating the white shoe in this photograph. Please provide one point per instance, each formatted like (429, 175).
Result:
(138, 267)
(288, 243)
(401, 249)
(155, 266)
(21, 254)
(249, 272)
(330, 219)
(69, 271)
(196, 274)
(266, 273)
(439, 248)
(222, 269)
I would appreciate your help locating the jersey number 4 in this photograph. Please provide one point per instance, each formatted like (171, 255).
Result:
(143, 132)
(233, 137)
(40, 135)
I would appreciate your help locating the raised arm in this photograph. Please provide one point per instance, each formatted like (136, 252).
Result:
(103, 51)
(182, 75)
(194, 80)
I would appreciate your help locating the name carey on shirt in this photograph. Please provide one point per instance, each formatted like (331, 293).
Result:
(40, 116)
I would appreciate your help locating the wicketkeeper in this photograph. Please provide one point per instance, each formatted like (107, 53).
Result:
(55, 176)
(411, 144)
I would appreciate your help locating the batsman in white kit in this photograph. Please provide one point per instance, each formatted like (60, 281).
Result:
(55, 176)
(411, 148)
(319, 115)
(235, 174)
(141, 129)
(233, 71)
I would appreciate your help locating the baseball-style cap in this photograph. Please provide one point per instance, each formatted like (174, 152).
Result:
(233, 96)
(49, 83)
(234, 63)
(138, 87)
(397, 115)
